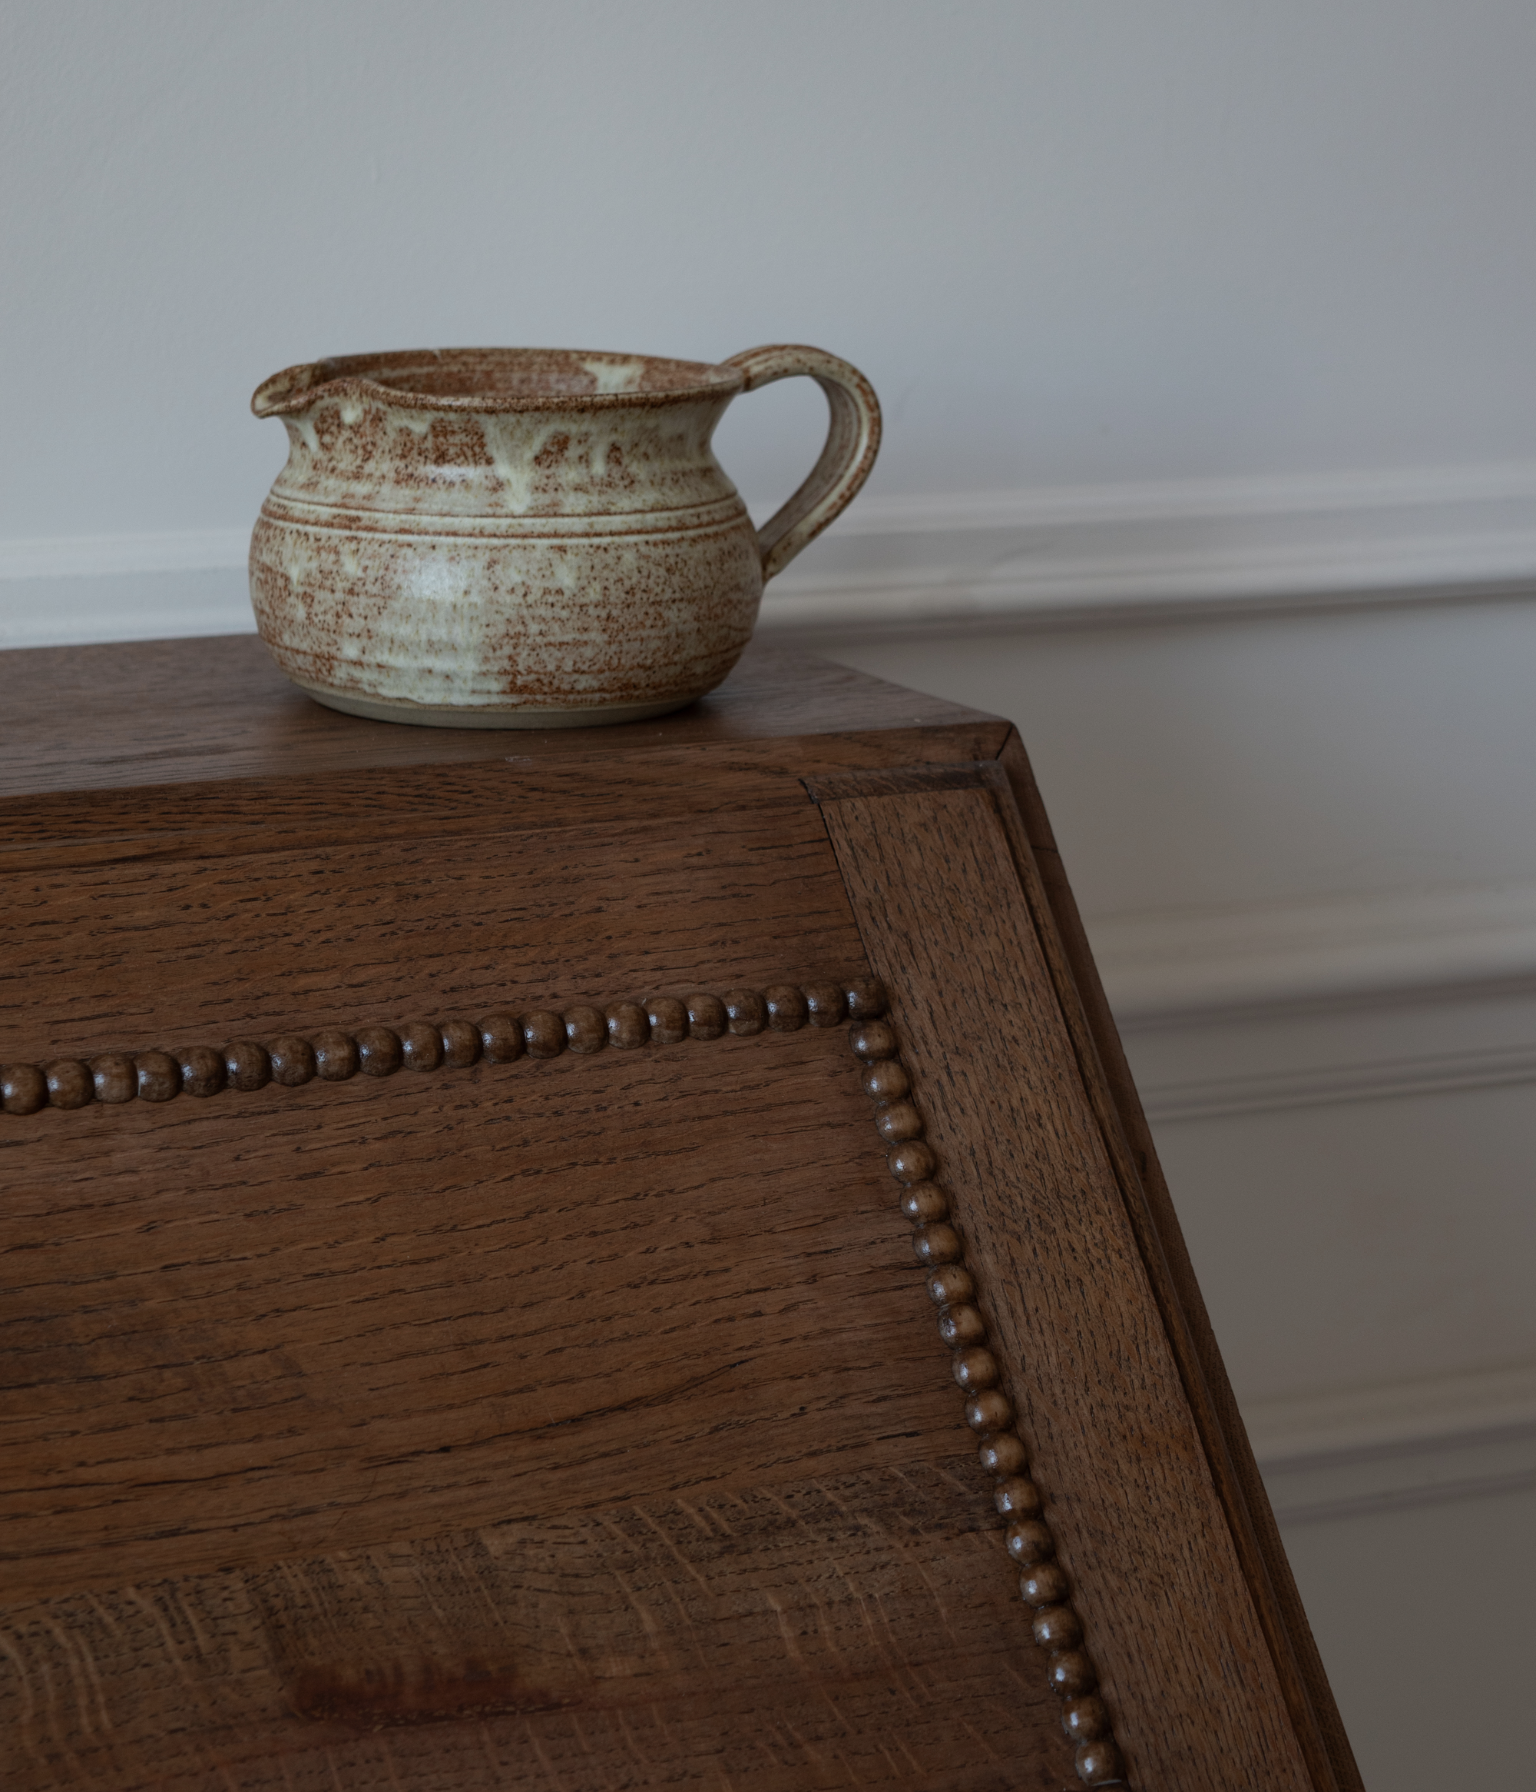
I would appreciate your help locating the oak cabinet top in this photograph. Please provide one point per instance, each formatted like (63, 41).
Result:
(195, 711)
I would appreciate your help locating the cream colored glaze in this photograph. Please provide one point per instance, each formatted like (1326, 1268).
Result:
(526, 538)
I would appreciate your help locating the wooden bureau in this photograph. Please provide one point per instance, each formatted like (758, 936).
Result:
(493, 1225)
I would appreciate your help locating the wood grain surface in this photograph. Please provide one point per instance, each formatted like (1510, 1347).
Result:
(1130, 1498)
(847, 1631)
(468, 1308)
(1128, 1138)
(436, 1301)
(625, 1440)
(582, 1421)
(184, 950)
(564, 1423)
(217, 709)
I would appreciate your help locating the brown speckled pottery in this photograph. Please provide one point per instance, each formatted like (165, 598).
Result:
(526, 538)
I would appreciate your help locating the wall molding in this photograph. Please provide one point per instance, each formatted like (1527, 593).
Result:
(1049, 556)
(1178, 962)
(1332, 1085)
(73, 609)
(1356, 1451)
(1165, 550)
(1324, 1002)
(106, 556)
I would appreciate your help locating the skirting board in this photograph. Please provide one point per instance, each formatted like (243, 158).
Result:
(1050, 556)
(1369, 1449)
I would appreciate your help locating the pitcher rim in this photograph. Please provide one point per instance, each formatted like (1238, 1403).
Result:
(295, 389)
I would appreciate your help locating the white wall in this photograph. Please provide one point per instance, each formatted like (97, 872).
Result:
(1205, 338)
(1070, 244)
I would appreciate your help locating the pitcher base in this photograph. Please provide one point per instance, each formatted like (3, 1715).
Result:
(423, 715)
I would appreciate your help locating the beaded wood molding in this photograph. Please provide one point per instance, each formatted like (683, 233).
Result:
(938, 1247)
(335, 1056)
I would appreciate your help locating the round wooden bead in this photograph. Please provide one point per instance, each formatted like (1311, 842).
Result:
(745, 1011)
(960, 1326)
(950, 1284)
(936, 1244)
(706, 1015)
(292, 1060)
(1044, 1584)
(378, 1051)
(338, 1055)
(886, 1080)
(421, 1045)
(115, 1077)
(159, 1076)
(668, 1019)
(246, 1065)
(627, 1026)
(866, 998)
(1002, 1455)
(586, 1030)
(898, 1121)
(989, 1411)
(975, 1369)
(1029, 1540)
(911, 1161)
(461, 1043)
(544, 1034)
(786, 1008)
(1099, 1763)
(70, 1083)
(1056, 1627)
(923, 1202)
(202, 1070)
(824, 1004)
(1070, 1673)
(872, 1039)
(501, 1037)
(1016, 1497)
(23, 1088)
(1086, 1719)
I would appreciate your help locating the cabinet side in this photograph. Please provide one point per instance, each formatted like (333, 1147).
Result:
(1128, 1136)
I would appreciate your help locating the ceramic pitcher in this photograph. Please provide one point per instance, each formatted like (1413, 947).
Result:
(527, 538)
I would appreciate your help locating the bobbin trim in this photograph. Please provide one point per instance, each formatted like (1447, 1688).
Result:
(1043, 1583)
(333, 1055)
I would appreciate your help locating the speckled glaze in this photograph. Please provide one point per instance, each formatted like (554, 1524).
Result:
(526, 538)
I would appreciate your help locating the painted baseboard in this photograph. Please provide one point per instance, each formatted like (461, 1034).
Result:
(1366, 1450)
(1050, 556)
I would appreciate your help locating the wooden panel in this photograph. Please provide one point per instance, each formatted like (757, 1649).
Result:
(236, 1329)
(581, 1423)
(1084, 1355)
(443, 1318)
(562, 1423)
(854, 1630)
(1107, 1075)
(184, 951)
(688, 787)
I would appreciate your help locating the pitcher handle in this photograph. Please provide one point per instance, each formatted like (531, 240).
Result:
(853, 440)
